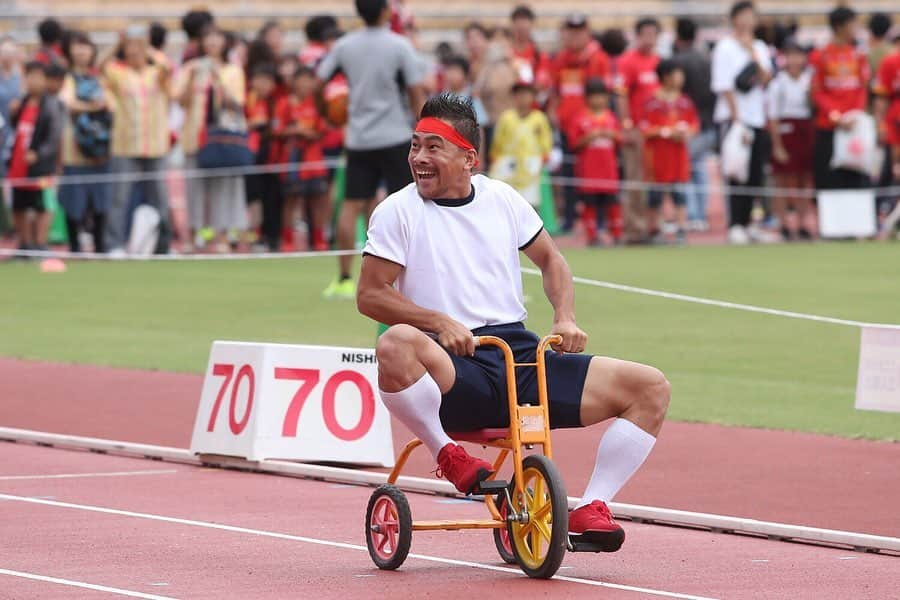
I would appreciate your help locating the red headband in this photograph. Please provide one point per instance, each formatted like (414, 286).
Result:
(445, 130)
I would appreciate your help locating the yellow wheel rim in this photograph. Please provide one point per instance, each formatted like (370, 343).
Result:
(532, 539)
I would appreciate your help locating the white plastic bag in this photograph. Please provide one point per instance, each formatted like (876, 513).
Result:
(855, 148)
(736, 148)
(144, 231)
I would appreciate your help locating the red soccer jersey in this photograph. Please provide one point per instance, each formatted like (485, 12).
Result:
(261, 119)
(312, 54)
(637, 76)
(667, 160)
(530, 57)
(305, 113)
(840, 82)
(18, 166)
(570, 72)
(596, 164)
(887, 85)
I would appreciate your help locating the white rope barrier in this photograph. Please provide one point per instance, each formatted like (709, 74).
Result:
(96, 256)
(295, 167)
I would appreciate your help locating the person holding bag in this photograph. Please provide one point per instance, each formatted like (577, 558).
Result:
(212, 92)
(840, 87)
(86, 139)
(741, 69)
(136, 79)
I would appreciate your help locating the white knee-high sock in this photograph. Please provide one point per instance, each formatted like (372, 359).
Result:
(623, 448)
(418, 407)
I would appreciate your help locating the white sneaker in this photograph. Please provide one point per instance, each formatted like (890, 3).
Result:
(118, 253)
(737, 235)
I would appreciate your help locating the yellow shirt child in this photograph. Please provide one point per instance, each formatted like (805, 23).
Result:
(522, 142)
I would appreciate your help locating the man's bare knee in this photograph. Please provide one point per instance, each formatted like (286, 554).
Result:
(653, 399)
(398, 364)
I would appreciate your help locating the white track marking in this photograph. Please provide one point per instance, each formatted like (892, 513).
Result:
(719, 303)
(333, 544)
(83, 585)
(78, 475)
(651, 514)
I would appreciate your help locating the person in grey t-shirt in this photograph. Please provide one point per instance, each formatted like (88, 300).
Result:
(385, 79)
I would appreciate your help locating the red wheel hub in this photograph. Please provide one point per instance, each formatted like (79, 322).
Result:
(384, 527)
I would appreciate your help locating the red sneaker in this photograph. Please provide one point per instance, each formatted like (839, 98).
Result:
(461, 469)
(594, 524)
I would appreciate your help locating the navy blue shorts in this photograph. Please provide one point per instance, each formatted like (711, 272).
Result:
(477, 399)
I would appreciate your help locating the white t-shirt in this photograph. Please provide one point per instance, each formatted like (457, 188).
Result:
(788, 98)
(460, 257)
(728, 60)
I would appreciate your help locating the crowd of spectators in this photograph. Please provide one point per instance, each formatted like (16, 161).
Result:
(625, 122)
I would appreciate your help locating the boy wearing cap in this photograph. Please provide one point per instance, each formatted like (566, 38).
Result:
(522, 143)
(441, 265)
(594, 135)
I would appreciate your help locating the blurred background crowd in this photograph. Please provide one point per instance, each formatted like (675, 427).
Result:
(238, 141)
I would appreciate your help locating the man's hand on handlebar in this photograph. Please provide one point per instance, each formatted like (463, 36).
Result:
(455, 337)
(573, 338)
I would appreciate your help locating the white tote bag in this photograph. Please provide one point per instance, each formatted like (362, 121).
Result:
(736, 147)
(856, 148)
(144, 231)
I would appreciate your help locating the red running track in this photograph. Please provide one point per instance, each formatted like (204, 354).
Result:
(794, 478)
(302, 539)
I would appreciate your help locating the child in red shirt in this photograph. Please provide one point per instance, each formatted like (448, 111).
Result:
(668, 120)
(887, 107)
(840, 85)
(887, 88)
(264, 188)
(37, 123)
(301, 127)
(594, 133)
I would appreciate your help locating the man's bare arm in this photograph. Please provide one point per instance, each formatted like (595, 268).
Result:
(560, 290)
(377, 299)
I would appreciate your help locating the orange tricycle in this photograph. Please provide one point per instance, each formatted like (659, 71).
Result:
(529, 515)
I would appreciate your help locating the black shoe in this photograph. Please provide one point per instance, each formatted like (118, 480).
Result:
(804, 234)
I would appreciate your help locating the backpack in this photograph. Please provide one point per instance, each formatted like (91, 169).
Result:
(93, 130)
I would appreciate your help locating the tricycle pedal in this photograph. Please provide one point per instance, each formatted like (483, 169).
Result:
(492, 487)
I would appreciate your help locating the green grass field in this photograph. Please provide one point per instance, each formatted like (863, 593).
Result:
(726, 366)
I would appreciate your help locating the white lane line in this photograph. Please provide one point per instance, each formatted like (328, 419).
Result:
(86, 586)
(333, 544)
(77, 475)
